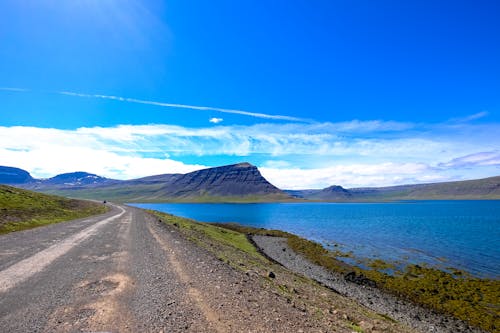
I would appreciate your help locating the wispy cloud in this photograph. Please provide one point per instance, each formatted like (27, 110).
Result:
(478, 159)
(471, 117)
(215, 120)
(13, 89)
(186, 106)
(356, 153)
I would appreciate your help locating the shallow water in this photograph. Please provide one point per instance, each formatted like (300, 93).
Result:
(459, 234)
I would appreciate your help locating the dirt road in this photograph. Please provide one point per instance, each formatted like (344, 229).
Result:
(124, 271)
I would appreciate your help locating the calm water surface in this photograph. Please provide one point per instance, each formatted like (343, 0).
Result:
(461, 234)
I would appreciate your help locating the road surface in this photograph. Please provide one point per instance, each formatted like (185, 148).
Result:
(124, 271)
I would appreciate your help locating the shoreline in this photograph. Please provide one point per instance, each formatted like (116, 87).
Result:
(376, 299)
(422, 299)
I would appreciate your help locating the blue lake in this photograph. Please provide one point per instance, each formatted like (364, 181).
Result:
(460, 234)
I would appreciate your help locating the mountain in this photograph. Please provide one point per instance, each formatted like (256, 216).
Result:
(332, 193)
(235, 183)
(238, 182)
(9, 175)
(487, 188)
(76, 179)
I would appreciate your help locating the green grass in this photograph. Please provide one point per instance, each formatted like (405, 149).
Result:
(151, 193)
(300, 245)
(228, 245)
(474, 300)
(471, 299)
(22, 209)
(355, 328)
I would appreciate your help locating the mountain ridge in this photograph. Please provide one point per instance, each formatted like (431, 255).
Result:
(240, 182)
(484, 188)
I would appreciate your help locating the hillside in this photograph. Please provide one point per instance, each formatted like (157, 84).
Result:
(9, 175)
(22, 209)
(487, 188)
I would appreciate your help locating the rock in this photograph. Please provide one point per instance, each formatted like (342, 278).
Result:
(360, 279)
(366, 326)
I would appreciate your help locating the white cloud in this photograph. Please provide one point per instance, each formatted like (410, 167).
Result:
(351, 175)
(47, 152)
(277, 164)
(275, 140)
(215, 120)
(356, 153)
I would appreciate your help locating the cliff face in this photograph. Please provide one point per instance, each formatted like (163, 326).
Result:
(236, 180)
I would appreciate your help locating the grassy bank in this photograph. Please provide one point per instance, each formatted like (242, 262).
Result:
(22, 209)
(233, 247)
(471, 299)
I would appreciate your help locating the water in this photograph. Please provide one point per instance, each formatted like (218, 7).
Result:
(459, 234)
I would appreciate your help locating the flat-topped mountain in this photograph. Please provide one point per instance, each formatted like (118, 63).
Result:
(235, 183)
(231, 180)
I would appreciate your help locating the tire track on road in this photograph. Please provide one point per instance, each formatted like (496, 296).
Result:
(26, 268)
(193, 293)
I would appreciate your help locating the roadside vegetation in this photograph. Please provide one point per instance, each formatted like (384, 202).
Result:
(471, 299)
(232, 246)
(22, 209)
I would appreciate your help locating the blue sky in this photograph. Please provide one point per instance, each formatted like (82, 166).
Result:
(315, 93)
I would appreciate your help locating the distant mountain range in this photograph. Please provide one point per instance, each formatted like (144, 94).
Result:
(231, 183)
(235, 183)
(487, 188)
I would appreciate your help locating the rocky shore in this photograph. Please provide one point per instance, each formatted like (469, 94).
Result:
(362, 290)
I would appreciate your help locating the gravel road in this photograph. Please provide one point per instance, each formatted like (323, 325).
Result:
(124, 271)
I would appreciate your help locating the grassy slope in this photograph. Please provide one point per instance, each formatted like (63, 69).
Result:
(149, 194)
(478, 189)
(234, 248)
(488, 188)
(471, 299)
(22, 209)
